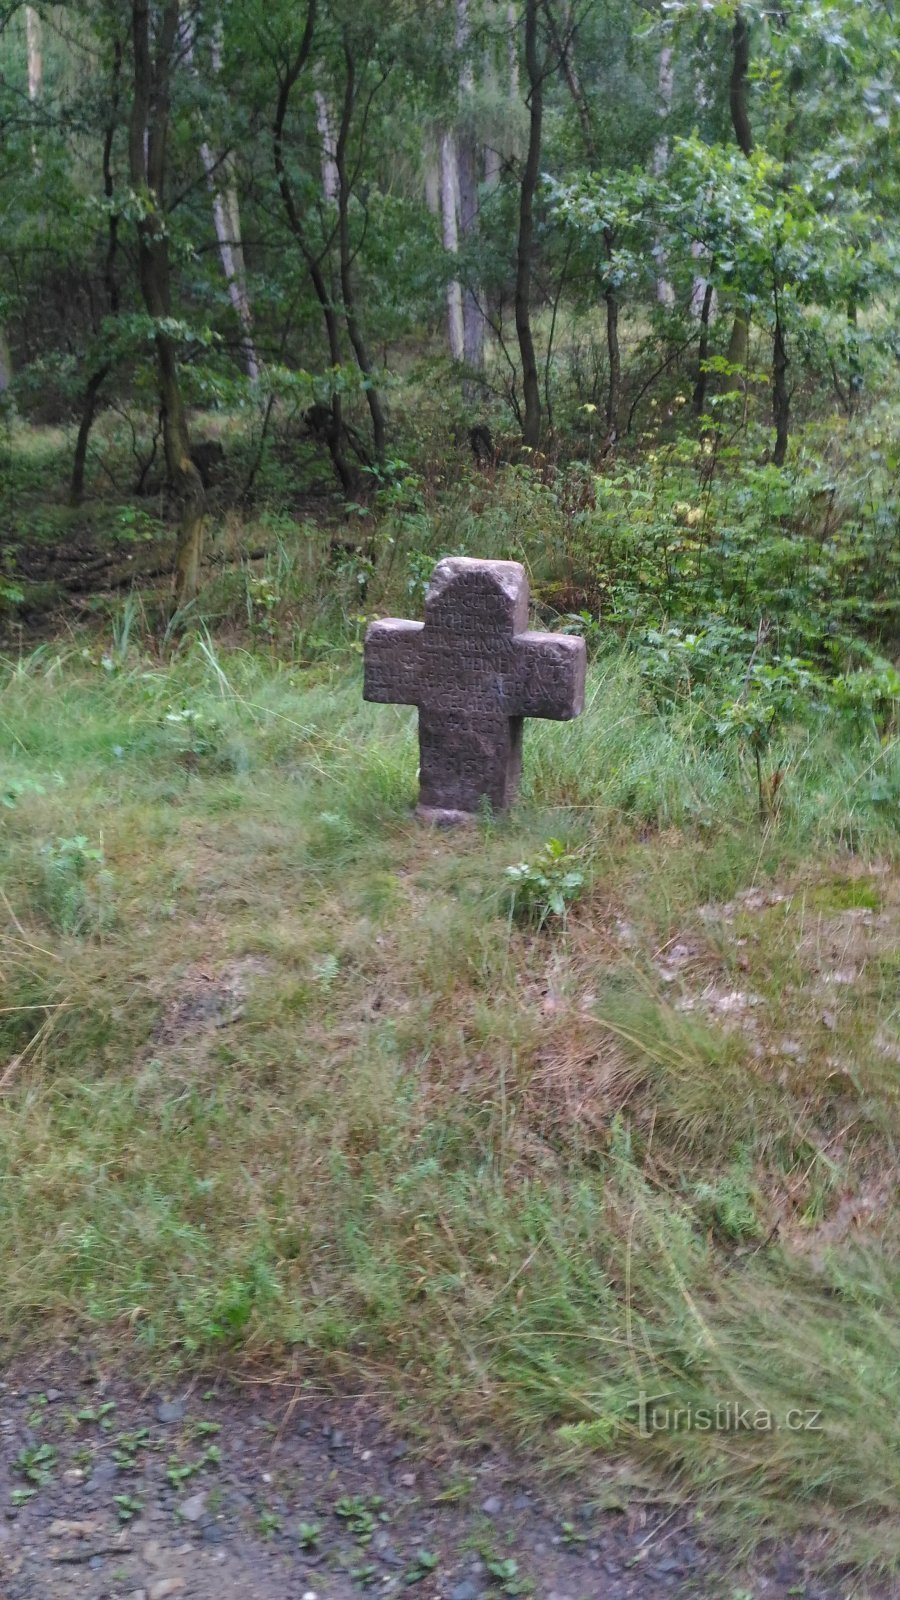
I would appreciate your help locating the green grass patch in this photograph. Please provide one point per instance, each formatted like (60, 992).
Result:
(279, 1070)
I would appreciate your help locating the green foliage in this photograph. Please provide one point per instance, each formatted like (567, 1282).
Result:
(545, 887)
(77, 887)
(729, 1204)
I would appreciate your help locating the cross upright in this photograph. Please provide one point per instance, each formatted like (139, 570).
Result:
(475, 672)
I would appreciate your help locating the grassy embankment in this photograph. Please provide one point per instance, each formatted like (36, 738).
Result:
(281, 1079)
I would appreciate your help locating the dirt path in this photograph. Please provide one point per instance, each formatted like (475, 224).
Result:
(211, 1494)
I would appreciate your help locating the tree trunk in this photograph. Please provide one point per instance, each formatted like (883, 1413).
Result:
(531, 422)
(35, 57)
(88, 412)
(703, 352)
(432, 165)
(739, 343)
(34, 45)
(472, 313)
(781, 401)
(512, 49)
(222, 185)
(450, 234)
(325, 125)
(614, 389)
(737, 89)
(467, 172)
(147, 161)
(854, 386)
(354, 330)
(99, 375)
(665, 294)
(334, 431)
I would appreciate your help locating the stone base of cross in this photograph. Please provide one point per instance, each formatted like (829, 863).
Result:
(475, 672)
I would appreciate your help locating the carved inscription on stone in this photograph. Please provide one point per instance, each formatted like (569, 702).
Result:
(474, 671)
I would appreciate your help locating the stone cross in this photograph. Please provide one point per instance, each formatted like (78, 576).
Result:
(475, 672)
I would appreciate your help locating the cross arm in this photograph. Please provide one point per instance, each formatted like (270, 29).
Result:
(392, 661)
(550, 675)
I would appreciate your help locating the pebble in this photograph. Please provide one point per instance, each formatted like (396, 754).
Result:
(165, 1587)
(170, 1411)
(95, 1563)
(465, 1591)
(492, 1505)
(407, 1480)
(213, 1533)
(193, 1508)
(138, 1594)
(522, 1502)
(104, 1473)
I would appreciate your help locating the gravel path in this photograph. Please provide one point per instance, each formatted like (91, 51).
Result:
(209, 1493)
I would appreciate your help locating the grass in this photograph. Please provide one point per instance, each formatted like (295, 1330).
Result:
(281, 1078)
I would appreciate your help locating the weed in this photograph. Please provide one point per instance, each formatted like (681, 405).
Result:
(545, 887)
(36, 1463)
(506, 1573)
(127, 1446)
(361, 1515)
(570, 1535)
(424, 1562)
(179, 1472)
(127, 1506)
(102, 1414)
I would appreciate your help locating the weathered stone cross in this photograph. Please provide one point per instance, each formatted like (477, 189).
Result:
(475, 673)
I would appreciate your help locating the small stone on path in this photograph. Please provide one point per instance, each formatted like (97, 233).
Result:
(492, 1505)
(164, 1587)
(193, 1509)
(170, 1411)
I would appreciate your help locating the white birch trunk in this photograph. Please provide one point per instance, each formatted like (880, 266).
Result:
(467, 181)
(665, 294)
(512, 46)
(34, 45)
(325, 125)
(222, 185)
(698, 287)
(450, 229)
